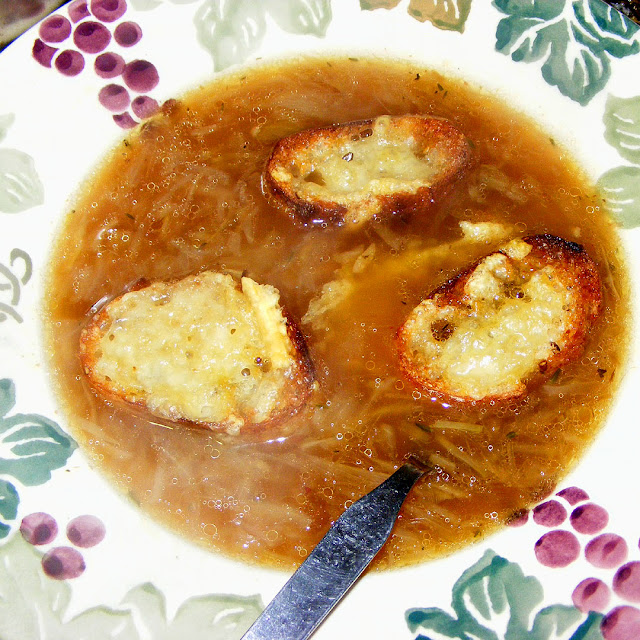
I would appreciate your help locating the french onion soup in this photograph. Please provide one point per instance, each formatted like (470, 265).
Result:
(186, 194)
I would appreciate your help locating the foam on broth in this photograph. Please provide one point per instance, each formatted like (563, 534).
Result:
(183, 193)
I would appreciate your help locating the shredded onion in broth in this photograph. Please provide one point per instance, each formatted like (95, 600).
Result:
(184, 193)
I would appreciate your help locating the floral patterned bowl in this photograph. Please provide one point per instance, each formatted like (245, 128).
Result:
(76, 558)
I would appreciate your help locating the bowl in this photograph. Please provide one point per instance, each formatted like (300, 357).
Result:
(80, 556)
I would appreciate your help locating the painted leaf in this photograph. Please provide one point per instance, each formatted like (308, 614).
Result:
(621, 190)
(573, 39)
(607, 28)
(20, 186)
(371, 5)
(230, 31)
(301, 16)
(493, 599)
(622, 126)
(6, 121)
(7, 396)
(9, 281)
(31, 446)
(9, 501)
(27, 264)
(443, 14)
(35, 606)
(558, 622)
(212, 617)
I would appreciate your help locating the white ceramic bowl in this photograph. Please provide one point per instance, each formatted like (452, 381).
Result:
(573, 66)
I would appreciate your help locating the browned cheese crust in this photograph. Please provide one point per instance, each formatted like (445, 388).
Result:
(370, 169)
(207, 350)
(509, 321)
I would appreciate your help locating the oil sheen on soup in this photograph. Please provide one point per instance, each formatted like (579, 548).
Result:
(184, 193)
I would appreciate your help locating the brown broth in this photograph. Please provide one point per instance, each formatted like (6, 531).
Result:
(183, 193)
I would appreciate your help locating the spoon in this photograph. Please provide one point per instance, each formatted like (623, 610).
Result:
(336, 562)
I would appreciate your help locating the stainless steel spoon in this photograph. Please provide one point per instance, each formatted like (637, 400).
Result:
(336, 562)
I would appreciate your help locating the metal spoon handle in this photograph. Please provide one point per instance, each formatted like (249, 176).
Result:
(335, 563)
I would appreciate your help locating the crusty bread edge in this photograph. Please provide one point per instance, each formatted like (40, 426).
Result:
(449, 292)
(330, 211)
(299, 387)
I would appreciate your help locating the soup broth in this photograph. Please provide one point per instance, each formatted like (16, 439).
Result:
(184, 193)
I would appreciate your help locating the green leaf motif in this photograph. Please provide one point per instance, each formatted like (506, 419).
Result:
(12, 283)
(622, 126)
(620, 188)
(444, 14)
(232, 31)
(216, 617)
(371, 5)
(302, 17)
(9, 501)
(607, 28)
(20, 186)
(574, 39)
(35, 606)
(493, 600)
(31, 446)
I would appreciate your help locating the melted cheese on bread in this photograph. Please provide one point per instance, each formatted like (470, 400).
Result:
(358, 171)
(517, 315)
(205, 349)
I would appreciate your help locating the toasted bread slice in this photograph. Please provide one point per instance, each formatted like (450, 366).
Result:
(351, 173)
(512, 319)
(207, 350)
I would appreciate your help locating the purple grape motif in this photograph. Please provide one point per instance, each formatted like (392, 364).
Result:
(140, 76)
(114, 97)
(55, 29)
(589, 518)
(91, 37)
(78, 10)
(109, 65)
(607, 551)
(39, 528)
(43, 53)
(108, 10)
(144, 107)
(591, 595)
(69, 63)
(126, 34)
(573, 495)
(557, 548)
(621, 623)
(124, 120)
(86, 531)
(97, 26)
(63, 563)
(519, 519)
(626, 582)
(549, 514)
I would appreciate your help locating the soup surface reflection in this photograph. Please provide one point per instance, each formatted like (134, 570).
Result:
(184, 192)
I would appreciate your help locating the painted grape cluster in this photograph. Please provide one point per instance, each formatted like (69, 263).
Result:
(97, 32)
(560, 547)
(63, 562)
